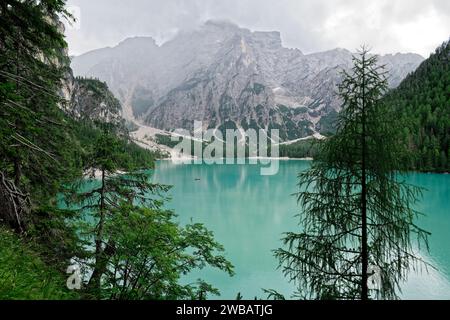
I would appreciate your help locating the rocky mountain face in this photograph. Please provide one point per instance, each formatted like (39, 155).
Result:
(90, 99)
(86, 98)
(228, 77)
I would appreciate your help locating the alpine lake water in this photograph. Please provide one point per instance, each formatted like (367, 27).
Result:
(249, 213)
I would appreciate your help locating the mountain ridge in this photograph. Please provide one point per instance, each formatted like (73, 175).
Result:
(227, 76)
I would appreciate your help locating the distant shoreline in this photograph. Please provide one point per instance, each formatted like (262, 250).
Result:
(185, 158)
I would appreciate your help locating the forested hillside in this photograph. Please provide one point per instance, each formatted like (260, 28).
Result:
(423, 102)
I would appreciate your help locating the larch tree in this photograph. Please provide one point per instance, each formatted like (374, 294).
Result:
(357, 221)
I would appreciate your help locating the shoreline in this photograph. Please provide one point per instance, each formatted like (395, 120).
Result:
(94, 173)
(246, 158)
(182, 159)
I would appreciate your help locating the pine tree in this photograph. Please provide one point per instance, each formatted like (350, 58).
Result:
(357, 218)
(32, 139)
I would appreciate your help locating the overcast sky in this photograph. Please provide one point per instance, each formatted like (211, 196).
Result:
(388, 26)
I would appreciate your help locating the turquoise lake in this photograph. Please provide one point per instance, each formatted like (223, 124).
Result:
(248, 214)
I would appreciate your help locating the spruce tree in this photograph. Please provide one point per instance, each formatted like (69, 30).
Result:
(32, 136)
(357, 216)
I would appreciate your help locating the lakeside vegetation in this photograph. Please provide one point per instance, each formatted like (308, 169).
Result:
(300, 149)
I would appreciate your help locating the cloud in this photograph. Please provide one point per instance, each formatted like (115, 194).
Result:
(310, 25)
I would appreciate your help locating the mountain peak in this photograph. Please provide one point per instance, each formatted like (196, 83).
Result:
(221, 72)
(138, 40)
(269, 38)
(221, 24)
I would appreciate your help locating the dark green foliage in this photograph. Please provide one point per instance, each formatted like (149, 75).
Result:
(136, 251)
(106, 194)
(328, 122)
(86, 133)
(357, 211)
(32, 64)
(152, 252)
(422, 101)
(54, 233)
(255, 88)
(259, 110)
(42, 148)
(283, 109)
(36, 155)
(258, 88)
(165, 140)
(225, 105)
(139, 157)
(290, 127)
(252, 125)
(300, 149)
(300, 110)
(226, 126)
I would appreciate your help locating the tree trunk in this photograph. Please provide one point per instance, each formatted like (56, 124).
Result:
(94, 283)
(17, 171)
(364, 251)
(17, 161)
